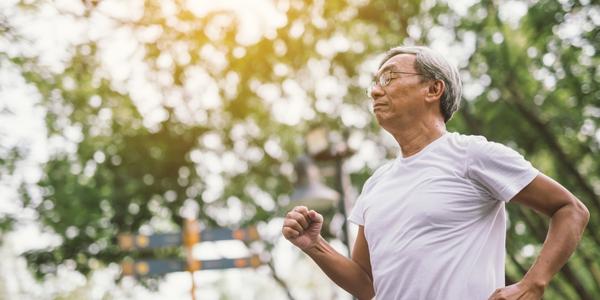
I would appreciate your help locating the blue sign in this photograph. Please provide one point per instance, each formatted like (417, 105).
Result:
(163, 266)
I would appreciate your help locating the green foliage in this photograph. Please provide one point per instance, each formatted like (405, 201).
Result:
(538, 94)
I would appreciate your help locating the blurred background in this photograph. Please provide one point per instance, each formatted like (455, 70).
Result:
(131, 116)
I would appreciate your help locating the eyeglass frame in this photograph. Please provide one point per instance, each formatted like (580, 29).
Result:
(378, 79)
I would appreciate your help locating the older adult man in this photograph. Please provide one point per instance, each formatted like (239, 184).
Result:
(432, 222)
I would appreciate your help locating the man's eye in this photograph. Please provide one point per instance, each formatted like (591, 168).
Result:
(385, 78)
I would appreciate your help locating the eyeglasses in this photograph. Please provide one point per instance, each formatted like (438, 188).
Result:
(385, 78)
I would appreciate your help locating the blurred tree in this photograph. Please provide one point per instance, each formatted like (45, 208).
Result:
(537, 71)
(235, 97)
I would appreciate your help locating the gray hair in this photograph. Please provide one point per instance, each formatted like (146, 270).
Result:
(434, 66)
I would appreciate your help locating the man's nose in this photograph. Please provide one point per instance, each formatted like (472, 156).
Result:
(377, 91)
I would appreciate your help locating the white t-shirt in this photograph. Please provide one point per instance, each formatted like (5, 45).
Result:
(435, 221)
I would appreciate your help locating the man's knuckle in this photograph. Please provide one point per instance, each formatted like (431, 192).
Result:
(287, 232)
(290, 223)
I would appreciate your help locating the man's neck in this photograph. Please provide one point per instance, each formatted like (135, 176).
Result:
(417, 136)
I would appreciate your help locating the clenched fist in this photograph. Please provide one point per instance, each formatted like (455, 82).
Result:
(302, 227)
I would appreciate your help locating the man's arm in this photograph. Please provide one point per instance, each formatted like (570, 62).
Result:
(353, 275)
(568, 220)
(302, 227)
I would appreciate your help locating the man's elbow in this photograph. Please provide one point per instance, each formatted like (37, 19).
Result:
(364, 291)
(366, 294)
(581, 213)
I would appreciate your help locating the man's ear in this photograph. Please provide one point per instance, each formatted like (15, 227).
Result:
(435, 90)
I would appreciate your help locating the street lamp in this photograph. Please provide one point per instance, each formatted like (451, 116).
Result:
(309, 189)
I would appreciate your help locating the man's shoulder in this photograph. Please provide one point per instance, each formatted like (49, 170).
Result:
(472, 144)
(467, 139)
(382, 169)
(479, 148)
(459, 146)
(377, 174)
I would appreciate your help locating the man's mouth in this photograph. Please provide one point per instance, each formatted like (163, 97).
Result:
(378, 106)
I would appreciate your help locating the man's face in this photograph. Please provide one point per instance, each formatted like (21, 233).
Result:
(402, 101)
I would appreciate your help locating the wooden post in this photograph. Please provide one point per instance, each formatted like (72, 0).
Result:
(191, 236)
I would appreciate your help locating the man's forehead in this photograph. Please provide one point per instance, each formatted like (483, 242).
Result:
(402, 60)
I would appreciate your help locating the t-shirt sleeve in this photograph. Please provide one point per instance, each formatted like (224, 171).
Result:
(502, 171)
(357, 213)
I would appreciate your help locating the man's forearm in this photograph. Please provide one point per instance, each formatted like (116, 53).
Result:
(566, 227)
(343, 271)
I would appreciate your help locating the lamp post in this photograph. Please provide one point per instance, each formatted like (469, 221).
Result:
(309, 189)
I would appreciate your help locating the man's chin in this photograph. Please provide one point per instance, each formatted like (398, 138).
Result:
(381, 119)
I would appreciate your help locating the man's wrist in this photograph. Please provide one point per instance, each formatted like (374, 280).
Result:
(317, 248)
(535, 283)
